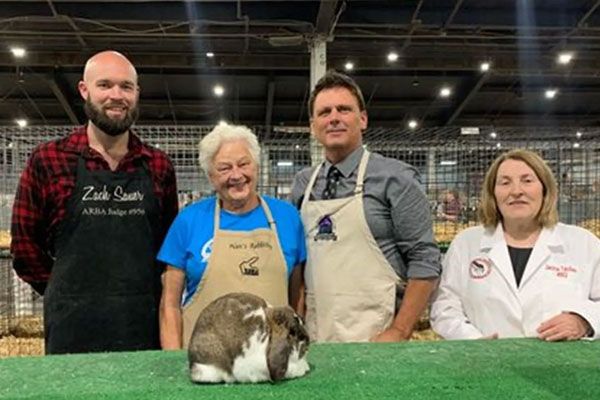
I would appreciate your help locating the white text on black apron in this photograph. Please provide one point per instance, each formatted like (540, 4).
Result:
(117, 195)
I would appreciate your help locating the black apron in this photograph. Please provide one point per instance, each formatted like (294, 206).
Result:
(104, 289)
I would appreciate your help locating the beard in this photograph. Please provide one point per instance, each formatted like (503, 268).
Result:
(112, 127)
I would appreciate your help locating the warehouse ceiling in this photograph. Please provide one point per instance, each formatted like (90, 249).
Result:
(261, 58)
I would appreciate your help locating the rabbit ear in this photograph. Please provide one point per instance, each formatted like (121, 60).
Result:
(279, 349)
(278, 354)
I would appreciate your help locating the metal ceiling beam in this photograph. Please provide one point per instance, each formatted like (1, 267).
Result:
(448, 22)
(460, 107)
(414, 22)
(588, 14)
(62, 99)
(270, 101)
(195, 103)
(518, 119)
(69, 21)
(589, 89)
(170, 101)
(458, 63)
(326, 18)
(405, 31)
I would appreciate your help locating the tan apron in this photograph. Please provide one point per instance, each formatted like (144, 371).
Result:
(250, 262)
(350, 286)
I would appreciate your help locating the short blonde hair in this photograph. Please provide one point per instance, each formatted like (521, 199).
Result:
(211, 143)
(488, 212)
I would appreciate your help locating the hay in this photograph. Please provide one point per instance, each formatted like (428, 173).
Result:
(28, 327)
(22, 327)
(425, 335)
(5, 239)
(11, 346)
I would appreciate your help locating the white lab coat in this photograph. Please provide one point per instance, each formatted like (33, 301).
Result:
(478, 295)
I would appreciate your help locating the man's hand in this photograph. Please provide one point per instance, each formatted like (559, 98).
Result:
(564, 326)
(414, 302)
(391, 335)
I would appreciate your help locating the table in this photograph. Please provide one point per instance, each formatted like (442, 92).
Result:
(480, 369)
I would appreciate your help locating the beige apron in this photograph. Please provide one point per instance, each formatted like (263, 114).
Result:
(350, 286)
(250, 262)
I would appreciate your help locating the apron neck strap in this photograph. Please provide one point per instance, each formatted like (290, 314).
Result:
(362, 168)
(263, 204)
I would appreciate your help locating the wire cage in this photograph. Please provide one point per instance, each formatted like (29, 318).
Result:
(451, 167)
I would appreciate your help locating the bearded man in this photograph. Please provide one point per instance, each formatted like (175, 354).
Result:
(89, 216)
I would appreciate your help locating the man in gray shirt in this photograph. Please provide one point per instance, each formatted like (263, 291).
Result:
(368, 229)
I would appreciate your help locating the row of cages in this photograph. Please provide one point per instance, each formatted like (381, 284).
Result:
(451, 167)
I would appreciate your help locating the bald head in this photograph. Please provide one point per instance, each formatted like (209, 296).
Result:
(108, 60)
(110, 90)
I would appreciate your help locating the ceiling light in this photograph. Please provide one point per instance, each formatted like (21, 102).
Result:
(469, 130)
(218, 90)
(22, 122)
(484, 66)
(18, 52)
(493, 135)
(210, 54)
(551, 93)
(349, 66)
(564, 58)
(578, 134)
(412, 124)
(498, 145)
(448, 162)
(285, 163)
(576, 145)
(392, 56)
(445, 92)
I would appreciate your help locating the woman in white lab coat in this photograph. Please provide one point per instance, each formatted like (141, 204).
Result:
(521, 273)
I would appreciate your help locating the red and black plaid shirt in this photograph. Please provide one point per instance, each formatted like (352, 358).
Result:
(47, 183)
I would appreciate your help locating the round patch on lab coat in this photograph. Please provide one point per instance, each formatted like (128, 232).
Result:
(480, 268)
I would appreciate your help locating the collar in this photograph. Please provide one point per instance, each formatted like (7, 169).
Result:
(78, 142)
(348, 165)
(548, 237)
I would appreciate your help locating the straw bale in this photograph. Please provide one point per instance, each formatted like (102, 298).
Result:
(11, 346)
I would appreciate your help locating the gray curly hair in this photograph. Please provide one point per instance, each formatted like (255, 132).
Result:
(223, 132)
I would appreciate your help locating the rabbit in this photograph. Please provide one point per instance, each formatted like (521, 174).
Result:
(239, 337)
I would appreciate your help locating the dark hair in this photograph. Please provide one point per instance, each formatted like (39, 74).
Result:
(333, 79)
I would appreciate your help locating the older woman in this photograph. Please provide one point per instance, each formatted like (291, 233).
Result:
(521, 274)
(235, 241)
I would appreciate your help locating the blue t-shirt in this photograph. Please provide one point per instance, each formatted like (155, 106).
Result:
(188, 243)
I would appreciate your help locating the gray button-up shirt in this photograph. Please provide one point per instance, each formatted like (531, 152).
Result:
(395, 206)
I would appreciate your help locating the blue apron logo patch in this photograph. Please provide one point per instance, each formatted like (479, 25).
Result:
(325, 231)
(247, 267)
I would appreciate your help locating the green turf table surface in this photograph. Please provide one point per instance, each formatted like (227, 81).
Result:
(491, 369)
